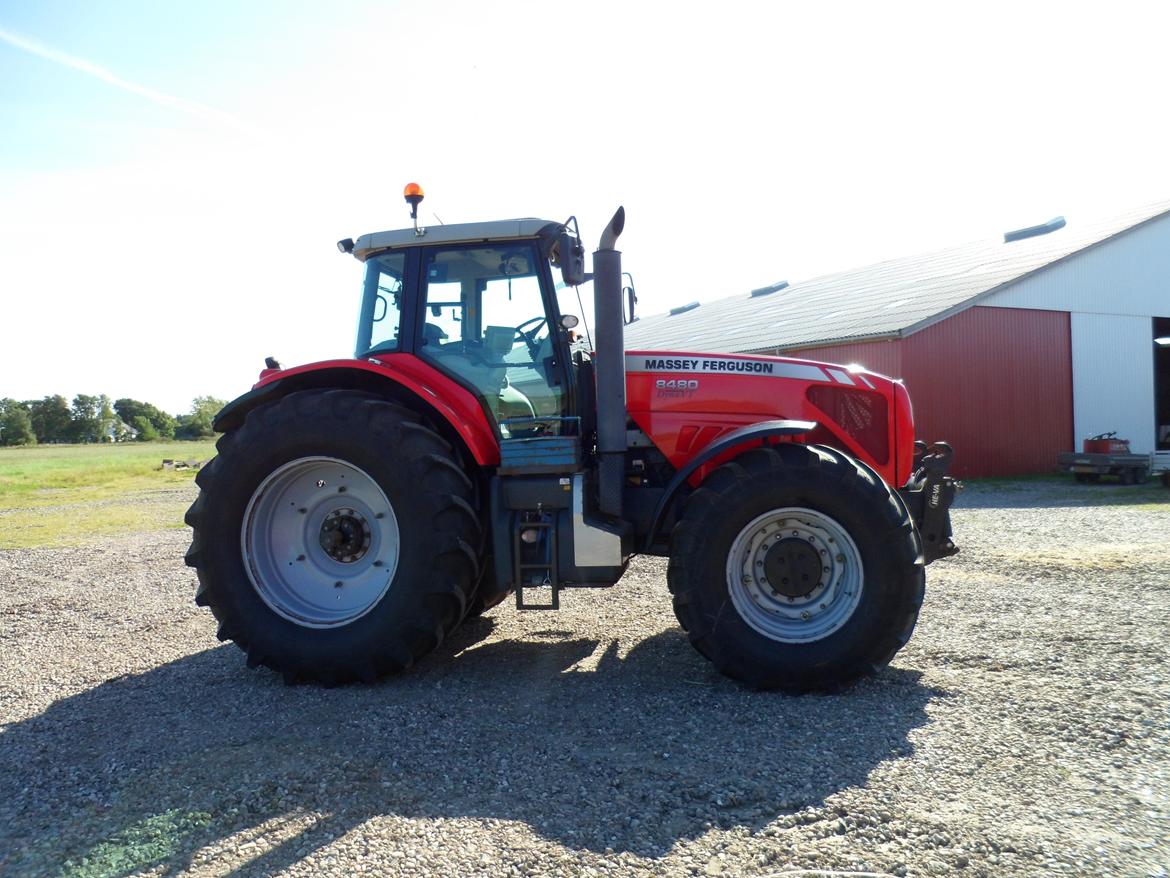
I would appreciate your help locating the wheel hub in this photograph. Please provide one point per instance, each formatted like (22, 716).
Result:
(320, 542)
(345, 535)
(792, 568)
(794, 575)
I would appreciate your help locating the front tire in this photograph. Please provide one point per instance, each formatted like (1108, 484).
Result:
(333, 537)
(795, 568)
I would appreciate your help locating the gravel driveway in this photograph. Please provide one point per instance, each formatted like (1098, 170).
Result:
(1023, 731)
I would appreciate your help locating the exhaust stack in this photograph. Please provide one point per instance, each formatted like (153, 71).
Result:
(610, 368)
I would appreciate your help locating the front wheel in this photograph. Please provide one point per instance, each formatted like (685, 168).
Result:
(795, 568)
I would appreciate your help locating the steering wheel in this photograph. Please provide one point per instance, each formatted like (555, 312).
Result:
(529, 336)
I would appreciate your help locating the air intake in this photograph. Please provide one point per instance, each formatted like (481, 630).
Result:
(774, 288)
(1032, 231)
(682, 309)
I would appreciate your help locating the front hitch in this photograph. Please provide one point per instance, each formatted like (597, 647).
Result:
(928, 495)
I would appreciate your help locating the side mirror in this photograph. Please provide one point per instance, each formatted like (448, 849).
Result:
(571, 259)
(631, 300)
(569, 321)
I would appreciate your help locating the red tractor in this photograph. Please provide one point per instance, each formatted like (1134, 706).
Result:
(359, 509)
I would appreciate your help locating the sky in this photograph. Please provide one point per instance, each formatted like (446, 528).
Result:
(174, 177)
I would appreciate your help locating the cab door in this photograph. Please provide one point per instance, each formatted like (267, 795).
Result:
(485, 320)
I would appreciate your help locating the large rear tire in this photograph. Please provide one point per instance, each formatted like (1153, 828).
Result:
(487, 594)
(795, 568)
(333, 537)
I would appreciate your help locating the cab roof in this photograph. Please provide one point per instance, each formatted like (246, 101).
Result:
(462, 233)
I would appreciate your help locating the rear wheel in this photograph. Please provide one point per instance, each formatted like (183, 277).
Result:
(794, 567)
(487, 594)
(333, 537)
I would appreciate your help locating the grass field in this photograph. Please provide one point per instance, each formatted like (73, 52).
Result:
(54, 495)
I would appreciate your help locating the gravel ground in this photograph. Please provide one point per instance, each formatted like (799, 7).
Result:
(1023, 731)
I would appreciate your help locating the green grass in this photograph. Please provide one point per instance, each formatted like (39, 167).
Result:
(54, 495)
(143, 845)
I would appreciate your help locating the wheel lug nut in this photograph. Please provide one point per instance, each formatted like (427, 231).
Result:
(337, 584)
(804, 615)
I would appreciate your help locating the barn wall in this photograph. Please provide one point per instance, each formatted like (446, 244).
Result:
(997, 384)
(1113, 378)
(994, 382)
(1129, 274)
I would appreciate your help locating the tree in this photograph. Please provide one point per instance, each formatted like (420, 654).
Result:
(85, 419)
(131, 410)
(146, 430)
(15, 425)
(51, 419)
(93, 419)
(197, 425)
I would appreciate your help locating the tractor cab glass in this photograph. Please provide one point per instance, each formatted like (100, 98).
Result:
(381, 304)
(485, 321)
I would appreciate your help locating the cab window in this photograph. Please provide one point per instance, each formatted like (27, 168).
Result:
(381, 304)
(484, 320)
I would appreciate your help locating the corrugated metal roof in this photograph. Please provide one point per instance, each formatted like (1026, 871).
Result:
(889, 299)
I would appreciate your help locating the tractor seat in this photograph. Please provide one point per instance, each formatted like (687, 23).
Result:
(432, 334)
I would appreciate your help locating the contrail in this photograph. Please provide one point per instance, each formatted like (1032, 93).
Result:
(192, 108)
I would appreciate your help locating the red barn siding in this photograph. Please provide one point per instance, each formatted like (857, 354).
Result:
(997, 384)
(994, 382)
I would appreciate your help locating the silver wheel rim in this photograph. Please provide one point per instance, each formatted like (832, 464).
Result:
(794, 575)
(320, 542)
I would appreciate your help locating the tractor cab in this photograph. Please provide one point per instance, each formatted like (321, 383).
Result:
(477, 302)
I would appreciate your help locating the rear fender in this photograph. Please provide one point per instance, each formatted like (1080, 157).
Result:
(400, 377)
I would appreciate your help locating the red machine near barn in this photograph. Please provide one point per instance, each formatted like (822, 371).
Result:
(358, 510)
(1105, 455)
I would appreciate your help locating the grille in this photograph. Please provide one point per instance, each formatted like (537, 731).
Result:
(861, 415)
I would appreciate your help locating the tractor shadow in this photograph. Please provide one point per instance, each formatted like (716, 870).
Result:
(591, 749)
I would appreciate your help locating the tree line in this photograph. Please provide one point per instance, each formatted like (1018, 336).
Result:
(97, 419)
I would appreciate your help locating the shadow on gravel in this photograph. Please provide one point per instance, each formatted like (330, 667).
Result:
(591, 749)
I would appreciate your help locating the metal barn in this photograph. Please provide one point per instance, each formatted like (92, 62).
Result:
(1012, 350)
